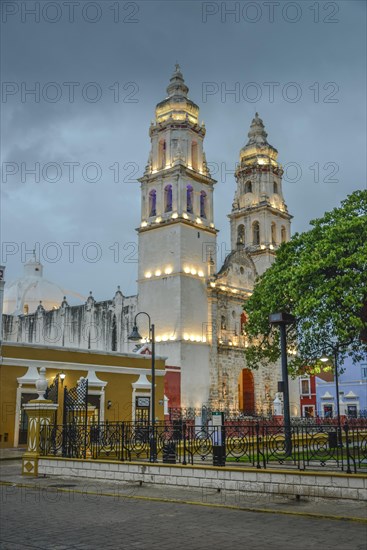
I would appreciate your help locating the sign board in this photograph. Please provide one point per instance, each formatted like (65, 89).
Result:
(217, 418)
(142, 401)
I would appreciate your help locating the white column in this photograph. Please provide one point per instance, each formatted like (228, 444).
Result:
(2, 283)
(17, 415)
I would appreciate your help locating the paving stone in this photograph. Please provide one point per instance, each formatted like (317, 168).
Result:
(89, 522)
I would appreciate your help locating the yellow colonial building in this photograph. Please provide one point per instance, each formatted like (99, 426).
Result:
(119, 385)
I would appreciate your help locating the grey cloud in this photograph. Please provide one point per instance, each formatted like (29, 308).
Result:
(305, 132)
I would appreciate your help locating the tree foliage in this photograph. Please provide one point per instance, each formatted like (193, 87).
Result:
(320, 277)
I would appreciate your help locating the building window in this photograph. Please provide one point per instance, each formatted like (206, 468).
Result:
(194, 155)
(305, 386)
(114, 334)
(283, 234)
(243, 323)
(248, 187)
(364, 372)
(256, 233)
(153, 202)
(352, 411)
(203, 204)
(168, 198)
(273, 233)
(328, 410)
(223, 324)
(275, 188)
(241, 234)
(162, 154)
(308, 411)
(189, 199)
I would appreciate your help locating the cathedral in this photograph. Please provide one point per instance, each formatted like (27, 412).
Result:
(197, 308)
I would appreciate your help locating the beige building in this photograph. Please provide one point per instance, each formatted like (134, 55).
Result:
(118, 384)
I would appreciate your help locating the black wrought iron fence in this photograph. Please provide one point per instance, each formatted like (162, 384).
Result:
(259, 445)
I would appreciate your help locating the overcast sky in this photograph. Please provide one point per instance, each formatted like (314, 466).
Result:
(301, 65)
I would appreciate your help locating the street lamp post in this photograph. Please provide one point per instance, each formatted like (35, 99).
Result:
(324, 359)
(284, 319)
(135, 336)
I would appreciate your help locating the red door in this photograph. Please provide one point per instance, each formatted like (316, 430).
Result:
(247, 392)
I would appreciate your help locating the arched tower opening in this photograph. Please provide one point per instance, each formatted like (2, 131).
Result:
(168, 198)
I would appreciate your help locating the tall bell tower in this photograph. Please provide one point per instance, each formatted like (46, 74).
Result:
(259, 220)
(177, 239)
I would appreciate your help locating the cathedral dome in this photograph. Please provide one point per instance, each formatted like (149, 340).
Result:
(177, 106)
(257, 145)
(24, 295)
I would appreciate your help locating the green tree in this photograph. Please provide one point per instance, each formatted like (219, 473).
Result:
(320, 277)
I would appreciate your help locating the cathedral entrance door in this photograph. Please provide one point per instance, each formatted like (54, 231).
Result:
(246, 388)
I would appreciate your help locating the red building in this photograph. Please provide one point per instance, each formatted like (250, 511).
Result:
(308, 396)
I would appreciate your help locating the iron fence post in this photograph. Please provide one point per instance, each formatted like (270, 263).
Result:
(346, 429)
(184, 443)
(122, 431)
(257, 429)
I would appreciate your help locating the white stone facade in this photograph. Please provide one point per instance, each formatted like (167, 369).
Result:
(197, 310)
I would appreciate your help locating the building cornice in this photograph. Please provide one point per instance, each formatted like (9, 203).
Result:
(177, 170)
(179, 220)
(87, 352)
(69, 365)
(259, 208)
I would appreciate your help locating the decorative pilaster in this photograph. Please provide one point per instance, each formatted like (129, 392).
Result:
(41, 413)
(2, 283)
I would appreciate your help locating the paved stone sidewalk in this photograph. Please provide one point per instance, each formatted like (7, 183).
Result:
(11, 453)
(53, 487)
(74, 521)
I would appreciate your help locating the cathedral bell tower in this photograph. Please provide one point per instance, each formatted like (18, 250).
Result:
(260, 221)
(177, 238)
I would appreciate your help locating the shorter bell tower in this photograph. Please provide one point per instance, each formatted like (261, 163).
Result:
(177, 239)
(259, 220)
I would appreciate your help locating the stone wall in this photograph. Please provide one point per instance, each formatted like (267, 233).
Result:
(226, 365)
(102, 326)
(312, 485)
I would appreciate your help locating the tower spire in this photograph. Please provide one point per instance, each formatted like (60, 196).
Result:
(177, 86)
(260, 221)
(257, 134)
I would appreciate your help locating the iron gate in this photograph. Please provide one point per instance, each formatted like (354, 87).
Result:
(75, 420)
